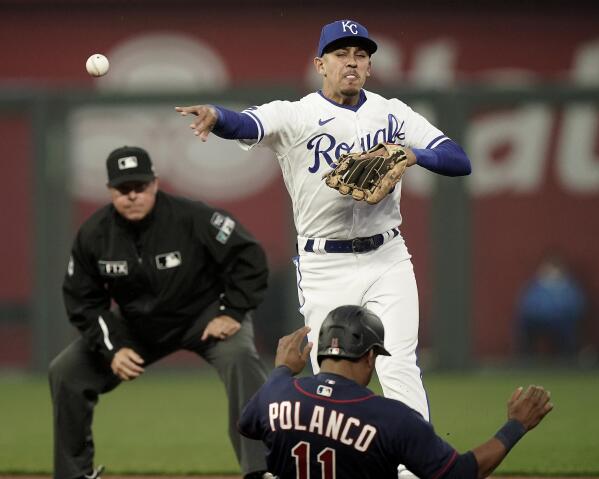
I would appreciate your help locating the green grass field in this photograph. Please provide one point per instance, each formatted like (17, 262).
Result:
(176, 423)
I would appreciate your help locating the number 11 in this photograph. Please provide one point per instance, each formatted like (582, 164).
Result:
(326, 458)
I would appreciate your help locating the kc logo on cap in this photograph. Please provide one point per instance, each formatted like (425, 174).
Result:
(342, 31)
(349, 25)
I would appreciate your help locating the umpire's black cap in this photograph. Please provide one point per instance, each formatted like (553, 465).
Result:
(129, 164)
(349, 332)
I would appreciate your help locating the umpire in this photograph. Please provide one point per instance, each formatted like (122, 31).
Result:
(179, 275)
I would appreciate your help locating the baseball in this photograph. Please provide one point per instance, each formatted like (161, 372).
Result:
(97, 65)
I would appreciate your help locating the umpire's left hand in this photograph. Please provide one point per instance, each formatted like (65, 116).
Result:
(221, 327)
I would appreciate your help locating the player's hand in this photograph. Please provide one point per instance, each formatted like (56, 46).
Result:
(126, 364)
(221, 327)
(205, 120)
(530, 406)
(411, 157)
(290, 352)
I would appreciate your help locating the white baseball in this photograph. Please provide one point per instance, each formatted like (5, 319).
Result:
(97, 65)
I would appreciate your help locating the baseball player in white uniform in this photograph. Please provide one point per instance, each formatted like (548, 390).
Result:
(349, 252)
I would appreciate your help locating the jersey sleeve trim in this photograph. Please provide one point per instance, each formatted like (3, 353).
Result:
(258, 123)
(335, 401)
(449, 463)
(437, 141)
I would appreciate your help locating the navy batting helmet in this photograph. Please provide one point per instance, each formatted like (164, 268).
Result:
(349, 332)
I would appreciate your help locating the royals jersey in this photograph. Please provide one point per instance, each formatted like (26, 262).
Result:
(327, 426)
(309, 135)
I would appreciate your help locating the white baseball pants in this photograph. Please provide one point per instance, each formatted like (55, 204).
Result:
(383, 281)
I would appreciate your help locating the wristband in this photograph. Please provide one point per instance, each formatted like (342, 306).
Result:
(510, 433)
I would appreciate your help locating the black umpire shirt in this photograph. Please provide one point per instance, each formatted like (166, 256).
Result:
(162, 272)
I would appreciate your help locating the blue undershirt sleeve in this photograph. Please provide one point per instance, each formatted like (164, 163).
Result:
(234, 126)
(447, 159)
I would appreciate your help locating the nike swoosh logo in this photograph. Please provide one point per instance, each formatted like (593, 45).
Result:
(324, 122)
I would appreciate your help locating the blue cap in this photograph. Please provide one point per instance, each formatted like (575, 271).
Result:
(345, 29)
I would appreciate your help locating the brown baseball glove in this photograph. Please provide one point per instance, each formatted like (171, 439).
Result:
(368, 176)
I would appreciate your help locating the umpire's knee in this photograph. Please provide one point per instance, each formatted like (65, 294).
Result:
(238, 351)
(58, 371)
(75, 369)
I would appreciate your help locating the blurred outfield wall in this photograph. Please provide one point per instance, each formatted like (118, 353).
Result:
(524, 106)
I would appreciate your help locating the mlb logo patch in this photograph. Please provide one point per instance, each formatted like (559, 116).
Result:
(168, 260)
(127, 162)
(325, 391)
(334, 347)
(113, 268)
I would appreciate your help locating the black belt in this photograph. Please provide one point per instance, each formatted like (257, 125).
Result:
(356, 245)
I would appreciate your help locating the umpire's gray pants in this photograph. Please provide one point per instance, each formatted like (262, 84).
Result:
(77, 376)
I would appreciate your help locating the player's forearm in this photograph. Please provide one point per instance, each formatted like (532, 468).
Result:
(447, 159)
(234, 126)
(490, 454)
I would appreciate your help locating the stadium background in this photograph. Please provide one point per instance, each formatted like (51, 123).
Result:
(534, 189)
(517, 83)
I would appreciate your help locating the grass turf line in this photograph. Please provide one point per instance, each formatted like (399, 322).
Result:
(177, 423)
